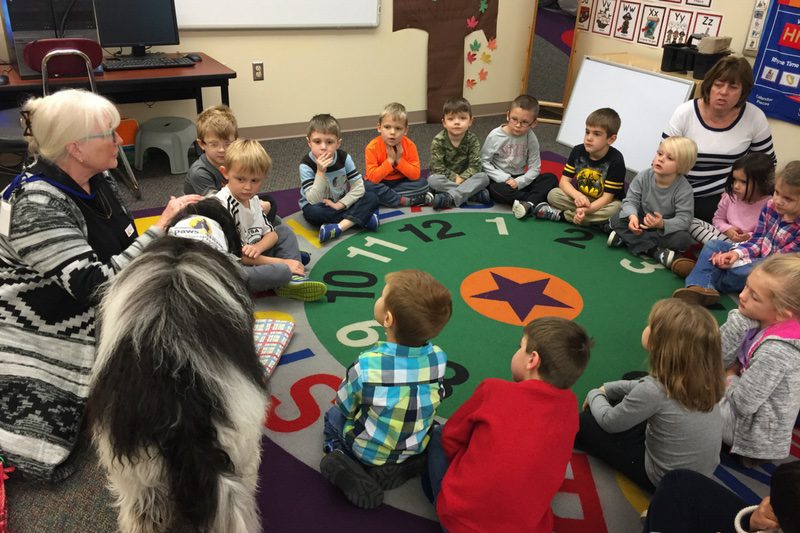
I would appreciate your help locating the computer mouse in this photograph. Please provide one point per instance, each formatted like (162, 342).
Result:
(3, 79)
(194, 57)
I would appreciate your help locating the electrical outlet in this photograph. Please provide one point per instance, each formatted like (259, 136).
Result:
(258, 71)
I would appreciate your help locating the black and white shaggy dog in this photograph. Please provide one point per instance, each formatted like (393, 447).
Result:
(178, 397)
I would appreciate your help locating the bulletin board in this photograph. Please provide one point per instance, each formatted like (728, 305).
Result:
(644, 100)
(288, 14)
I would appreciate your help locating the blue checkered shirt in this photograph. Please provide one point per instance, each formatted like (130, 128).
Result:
(389, 398)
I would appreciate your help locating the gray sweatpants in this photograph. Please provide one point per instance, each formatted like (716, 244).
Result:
(267, 277)
(460, 193)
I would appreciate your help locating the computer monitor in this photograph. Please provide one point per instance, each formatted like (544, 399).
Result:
(136, 23)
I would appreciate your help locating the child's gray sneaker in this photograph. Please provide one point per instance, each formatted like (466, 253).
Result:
(614, 240)
(351, 478)
(392, 475)
(521, 209)
(545, 210)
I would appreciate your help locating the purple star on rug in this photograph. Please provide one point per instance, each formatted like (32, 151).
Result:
(522, 297)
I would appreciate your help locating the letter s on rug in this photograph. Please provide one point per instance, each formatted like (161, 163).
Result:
(178, 397)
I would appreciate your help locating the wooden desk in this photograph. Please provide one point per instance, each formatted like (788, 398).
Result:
(129, 86)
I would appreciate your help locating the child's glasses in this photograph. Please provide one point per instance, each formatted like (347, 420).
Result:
(216, 145)
(519, 122)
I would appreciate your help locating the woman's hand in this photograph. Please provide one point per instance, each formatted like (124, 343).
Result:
(174, 206)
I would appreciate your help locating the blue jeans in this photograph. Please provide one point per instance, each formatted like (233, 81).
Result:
(390, 191)
(360, 212)
(437, 465)
(704, 274)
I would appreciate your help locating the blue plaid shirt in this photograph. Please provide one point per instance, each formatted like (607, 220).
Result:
(772, 235)
(389, 397)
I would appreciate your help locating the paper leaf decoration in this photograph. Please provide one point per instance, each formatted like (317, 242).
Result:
(471, 83)
(486, 58)
(492, 44)
(484, 6)
(475, 46)
(482, 74)
(471, 57)
(472, 23)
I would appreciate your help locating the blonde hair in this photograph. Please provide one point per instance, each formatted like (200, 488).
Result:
(248, 156)
(563, 348)
(396, 111)
(685, 353)
(784, 269)
(683, 149)
(66, 116)
(218, 120)
(421, 306)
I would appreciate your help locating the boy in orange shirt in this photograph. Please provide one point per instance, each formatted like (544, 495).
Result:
(392, 162)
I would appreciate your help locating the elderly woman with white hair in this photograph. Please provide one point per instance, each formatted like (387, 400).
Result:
(63, 232)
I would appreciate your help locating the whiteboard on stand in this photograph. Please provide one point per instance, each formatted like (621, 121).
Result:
(644, 101)
(277, 14)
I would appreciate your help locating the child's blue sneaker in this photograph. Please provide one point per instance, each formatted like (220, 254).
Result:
(328, 232)
(546, 211)
(443, 201)
(302, 289)
(373, 222)
(481, 198)
(305, 257)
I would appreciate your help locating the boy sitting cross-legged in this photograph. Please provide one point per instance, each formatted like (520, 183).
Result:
(392, 161)
(270, 253)
(499, 460)
(599, 171)
(378, 428)
(332, 192)
(456, 160)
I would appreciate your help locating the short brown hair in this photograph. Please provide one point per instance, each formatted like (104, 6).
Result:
(563, 348)
(731, 69)
(456, 104)
(527, 103)
(218, 120)
(421, 306)
(324, 123)
(685, 353)
(790, 174)
(396, 111)
(247, 155)
(605, 118)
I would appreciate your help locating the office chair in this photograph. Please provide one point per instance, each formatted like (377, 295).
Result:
(73, 57)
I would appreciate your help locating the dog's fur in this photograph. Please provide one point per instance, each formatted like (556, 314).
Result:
(178, 396)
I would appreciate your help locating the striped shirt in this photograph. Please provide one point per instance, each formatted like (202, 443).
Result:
(389, 398)
(719, 148)
(773, 235)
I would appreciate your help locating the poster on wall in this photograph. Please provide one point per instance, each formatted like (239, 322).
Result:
(603, 17)
(650, 26)
(756, 25)
(777, 66)
(699, 3)
(707, 24)
(584, 15)
(677, 26)
(625, 21)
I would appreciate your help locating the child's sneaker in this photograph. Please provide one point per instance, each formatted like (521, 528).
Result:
(614, 240)
(482, 197)
(665, 256)
(683, 266)
(425, 198)
(305, 257)
(391, 476)
(329, 232)
(545, 210)
(374, 222)
(351, 478)
(443, 201)
(521, 209)
(302, 289)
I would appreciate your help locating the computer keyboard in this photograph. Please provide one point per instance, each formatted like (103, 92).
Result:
(136, 63)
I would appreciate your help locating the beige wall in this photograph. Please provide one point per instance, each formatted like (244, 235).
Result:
(349, 73)
(735, 24)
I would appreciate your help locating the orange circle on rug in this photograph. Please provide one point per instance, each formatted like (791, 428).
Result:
(518, 295)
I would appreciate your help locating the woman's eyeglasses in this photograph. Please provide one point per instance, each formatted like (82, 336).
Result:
(102, 135)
